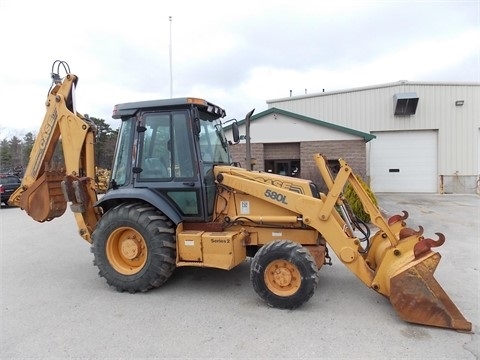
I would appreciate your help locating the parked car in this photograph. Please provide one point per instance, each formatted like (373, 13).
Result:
(8, 184)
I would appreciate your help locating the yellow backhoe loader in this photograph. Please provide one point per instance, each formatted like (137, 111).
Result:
(176, 199)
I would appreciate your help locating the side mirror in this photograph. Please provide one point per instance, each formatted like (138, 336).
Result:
(235, 133)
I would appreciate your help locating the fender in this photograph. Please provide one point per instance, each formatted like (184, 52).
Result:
(112, 198)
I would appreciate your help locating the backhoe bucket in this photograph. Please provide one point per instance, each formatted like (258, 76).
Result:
(418, 298)
(44, 199)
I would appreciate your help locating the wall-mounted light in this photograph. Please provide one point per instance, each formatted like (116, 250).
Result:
(459, 102)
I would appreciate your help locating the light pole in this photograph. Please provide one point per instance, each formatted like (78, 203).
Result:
(170, 56)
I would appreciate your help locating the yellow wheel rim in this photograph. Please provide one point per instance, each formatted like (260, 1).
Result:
(126, 251)
(282, 278)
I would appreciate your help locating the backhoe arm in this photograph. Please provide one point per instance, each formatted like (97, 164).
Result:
(47, 186)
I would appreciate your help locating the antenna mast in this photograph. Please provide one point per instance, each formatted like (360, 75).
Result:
(170, 56)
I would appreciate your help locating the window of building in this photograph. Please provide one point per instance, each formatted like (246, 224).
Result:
(283, 167)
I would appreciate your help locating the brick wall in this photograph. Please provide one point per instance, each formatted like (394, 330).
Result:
(352, 151)
(238, 153)
(282, 151)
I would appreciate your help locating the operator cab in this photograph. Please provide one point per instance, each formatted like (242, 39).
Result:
(166, 150)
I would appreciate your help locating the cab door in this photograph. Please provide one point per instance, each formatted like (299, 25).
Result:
(166, 162)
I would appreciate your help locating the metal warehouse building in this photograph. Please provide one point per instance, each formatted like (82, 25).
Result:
(418, 136)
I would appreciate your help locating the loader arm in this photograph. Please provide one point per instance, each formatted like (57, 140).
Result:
(397, 262)
(47, 186)
(314, 212)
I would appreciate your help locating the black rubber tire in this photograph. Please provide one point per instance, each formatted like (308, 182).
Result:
(293, 255)
(157, 233)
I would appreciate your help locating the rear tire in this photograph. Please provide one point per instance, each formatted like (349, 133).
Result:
(284, 274)
(134, 247)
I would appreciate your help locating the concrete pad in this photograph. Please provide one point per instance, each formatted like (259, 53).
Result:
(54, 306)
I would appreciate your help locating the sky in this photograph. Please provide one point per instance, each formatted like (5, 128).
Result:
(235, 54)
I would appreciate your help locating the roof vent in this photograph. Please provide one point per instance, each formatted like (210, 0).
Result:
(405, 103)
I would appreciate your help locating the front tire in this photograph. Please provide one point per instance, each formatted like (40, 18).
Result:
(134, 247)
(284, 274)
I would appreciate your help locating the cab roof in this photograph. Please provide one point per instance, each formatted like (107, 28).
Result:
(131, 108)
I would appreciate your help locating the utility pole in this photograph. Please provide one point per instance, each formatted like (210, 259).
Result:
(170, 56)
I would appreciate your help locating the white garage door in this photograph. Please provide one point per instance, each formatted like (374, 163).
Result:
(478, 154)
(404, 161)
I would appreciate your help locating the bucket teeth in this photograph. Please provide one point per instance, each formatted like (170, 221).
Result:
(407, 232)
(396, 218)
(424, 245)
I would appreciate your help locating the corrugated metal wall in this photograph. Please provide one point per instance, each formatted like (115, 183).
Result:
(371, 109)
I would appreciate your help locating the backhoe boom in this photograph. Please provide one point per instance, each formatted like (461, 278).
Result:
(48, 186)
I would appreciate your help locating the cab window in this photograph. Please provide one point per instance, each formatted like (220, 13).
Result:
(166, 149)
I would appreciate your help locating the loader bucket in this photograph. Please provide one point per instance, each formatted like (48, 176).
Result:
(44, 199)
(418, 298)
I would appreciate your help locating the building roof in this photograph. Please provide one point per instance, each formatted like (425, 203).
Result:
(372, 87)
(366, 136)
